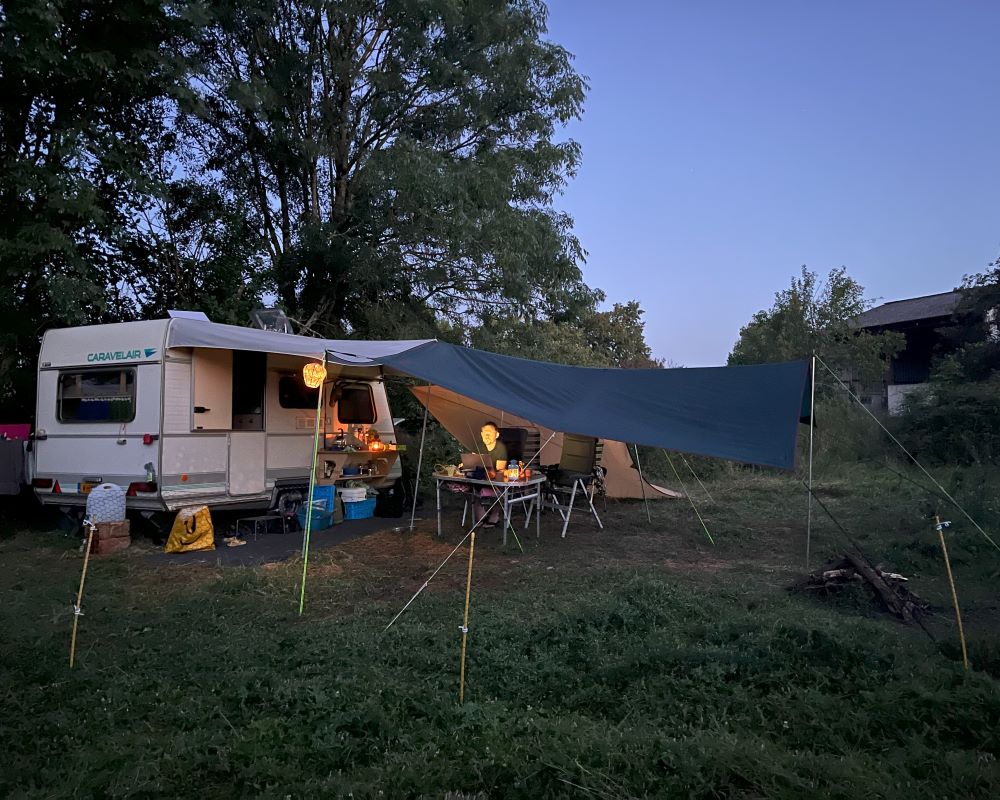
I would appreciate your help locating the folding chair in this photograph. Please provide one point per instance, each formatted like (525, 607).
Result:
(574, 475)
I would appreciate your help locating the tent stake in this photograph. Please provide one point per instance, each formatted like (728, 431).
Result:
(77, 609)
(309, 496)
(465, 620)
(420, 460)
(940, 526)
(812, 427)
(642, 483)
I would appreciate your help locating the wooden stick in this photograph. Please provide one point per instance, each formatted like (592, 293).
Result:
(465, 620)
(954, 595)
(77, 611)
(878, 583)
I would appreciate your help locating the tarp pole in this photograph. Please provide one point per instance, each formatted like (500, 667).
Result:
(465, 620)
(812, 428)
(642, 482)
(420, 460)
(309, 496)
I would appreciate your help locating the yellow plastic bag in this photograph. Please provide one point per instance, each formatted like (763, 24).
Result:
(192, 530)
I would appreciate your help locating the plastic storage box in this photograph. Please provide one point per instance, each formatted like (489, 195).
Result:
(321, 520)
(322, 515)
(325, 495)
(360, 509)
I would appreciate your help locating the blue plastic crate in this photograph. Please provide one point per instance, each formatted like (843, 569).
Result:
(321, 520)
(324, 493)
(361, 509)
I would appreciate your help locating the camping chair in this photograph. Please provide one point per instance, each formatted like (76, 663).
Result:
(522, 444)
(573, 476)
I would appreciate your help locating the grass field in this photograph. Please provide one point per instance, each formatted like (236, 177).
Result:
(641, 661)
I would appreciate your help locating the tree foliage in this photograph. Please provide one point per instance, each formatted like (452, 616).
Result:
(392, 151)
(82, 82)
(817, 316)
(613, 338)
(381, 168)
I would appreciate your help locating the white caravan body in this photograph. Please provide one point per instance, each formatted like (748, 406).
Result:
(187, 425)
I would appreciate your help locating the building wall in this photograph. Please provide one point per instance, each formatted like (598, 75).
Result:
(897, 395)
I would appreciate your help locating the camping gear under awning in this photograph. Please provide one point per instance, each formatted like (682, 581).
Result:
(746, 413)
(462, 417)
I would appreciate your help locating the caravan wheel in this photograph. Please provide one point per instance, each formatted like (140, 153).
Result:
(288, 502)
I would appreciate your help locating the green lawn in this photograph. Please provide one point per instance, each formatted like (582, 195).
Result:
(640, 661)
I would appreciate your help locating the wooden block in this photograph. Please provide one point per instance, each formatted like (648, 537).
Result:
(113, 530)
(104, 546)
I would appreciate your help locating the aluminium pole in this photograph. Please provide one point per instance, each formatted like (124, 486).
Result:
(642, 482)
(312, 488)
(420, 460)
(812, 428)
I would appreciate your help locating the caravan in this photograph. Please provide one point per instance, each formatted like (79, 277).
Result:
(184, 411)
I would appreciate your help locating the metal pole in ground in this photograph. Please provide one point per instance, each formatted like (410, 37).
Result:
(420, 460)
(642, 483)
(309, 496)
(812, 427)
(465, 620)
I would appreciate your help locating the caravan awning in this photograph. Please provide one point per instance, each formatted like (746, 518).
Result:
(202, 333)
(749, 414)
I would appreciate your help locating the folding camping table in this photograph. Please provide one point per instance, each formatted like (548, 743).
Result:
(527, 492)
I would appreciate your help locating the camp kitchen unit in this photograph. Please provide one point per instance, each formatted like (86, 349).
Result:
(185, 411)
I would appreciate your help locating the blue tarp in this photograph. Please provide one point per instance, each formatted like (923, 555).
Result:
(748, 414)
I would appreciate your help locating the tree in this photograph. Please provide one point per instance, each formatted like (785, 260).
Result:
(956, 418)
(813, 316)
(194, 250)
(395, 155)
(614, 338)
(82, 82)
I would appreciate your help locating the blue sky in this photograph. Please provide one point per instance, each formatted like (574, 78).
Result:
(725, 144)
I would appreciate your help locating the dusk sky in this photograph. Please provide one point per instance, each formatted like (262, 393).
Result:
(725, 144)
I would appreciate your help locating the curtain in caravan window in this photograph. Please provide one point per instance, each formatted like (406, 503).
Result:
(106, 395)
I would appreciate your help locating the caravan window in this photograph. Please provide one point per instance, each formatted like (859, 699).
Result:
(106, 395)
(355, 404)
(293, 393)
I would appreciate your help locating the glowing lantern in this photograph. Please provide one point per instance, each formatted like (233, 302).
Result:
(513, 472)
(314, 374)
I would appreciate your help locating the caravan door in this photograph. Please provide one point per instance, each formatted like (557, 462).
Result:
(247, 440)
(247, 462)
